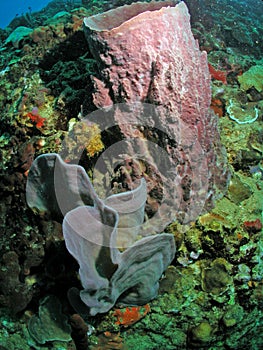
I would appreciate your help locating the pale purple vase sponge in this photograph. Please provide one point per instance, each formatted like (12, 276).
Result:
(102, 235)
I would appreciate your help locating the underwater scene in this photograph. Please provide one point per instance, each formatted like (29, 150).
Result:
(131, 175)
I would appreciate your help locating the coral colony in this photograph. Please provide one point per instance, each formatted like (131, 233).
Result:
(118, 214)
(160, 64)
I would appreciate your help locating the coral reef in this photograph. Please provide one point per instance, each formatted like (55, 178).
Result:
(50, 73)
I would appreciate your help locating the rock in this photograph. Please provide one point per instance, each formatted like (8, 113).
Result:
(216, 278)
(201, 334)
(233, 315)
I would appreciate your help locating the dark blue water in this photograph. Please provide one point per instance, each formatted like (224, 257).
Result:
(10, 9)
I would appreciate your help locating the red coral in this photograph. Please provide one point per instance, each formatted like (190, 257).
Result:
(253, 226)
(130, 315)
(217, 74)
(35, 117)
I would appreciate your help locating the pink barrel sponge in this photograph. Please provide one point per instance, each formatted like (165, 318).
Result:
(149, 61)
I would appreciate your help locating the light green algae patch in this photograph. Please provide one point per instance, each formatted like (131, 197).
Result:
(252, 78)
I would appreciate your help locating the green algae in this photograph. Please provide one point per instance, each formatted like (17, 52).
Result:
(252, 78)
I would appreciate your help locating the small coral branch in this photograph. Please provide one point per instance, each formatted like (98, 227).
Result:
(247, 120)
